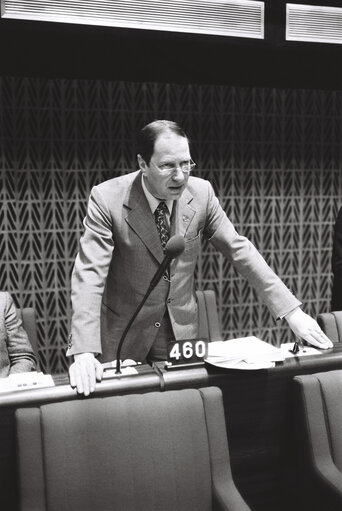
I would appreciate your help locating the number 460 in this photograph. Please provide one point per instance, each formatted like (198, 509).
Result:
(188, 349)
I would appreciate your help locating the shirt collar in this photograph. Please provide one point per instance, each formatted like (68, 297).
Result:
(153, 201)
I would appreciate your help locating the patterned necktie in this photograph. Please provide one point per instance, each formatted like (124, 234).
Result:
(160, 217)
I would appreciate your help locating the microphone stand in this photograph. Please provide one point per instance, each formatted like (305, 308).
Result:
(118, 353)
(174, 247)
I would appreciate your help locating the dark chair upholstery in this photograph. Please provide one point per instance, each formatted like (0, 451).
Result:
(331, 324)
(28, 317)
(209, 326)
(150, 452)
(319, 427)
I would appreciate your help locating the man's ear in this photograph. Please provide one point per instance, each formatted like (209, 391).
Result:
(141, 162)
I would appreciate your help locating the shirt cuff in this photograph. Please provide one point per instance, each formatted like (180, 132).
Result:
(290, 312)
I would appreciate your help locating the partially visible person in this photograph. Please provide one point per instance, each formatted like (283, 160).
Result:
(336, 298)
(16, 353)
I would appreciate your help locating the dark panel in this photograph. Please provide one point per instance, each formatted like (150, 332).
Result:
(60, 50)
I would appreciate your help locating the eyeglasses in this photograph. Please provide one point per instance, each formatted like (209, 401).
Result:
(169, 168)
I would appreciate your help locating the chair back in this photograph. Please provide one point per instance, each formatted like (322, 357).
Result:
(331, 324)
(209, 325)
(321, 397)
(318, 420)
(149, 451)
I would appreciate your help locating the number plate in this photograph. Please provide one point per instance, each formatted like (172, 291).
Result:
(187, 351)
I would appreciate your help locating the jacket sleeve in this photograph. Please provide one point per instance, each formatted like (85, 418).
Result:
(247, 260)
(20, 352)
(89, 277)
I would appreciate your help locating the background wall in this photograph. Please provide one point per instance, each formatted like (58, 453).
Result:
(272, 154)
(265, 117)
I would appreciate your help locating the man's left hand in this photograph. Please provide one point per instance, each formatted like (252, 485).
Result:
(305, 327)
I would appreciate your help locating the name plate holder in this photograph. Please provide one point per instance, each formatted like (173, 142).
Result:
(186, 353)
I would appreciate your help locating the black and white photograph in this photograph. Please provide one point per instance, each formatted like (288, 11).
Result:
(170, 255)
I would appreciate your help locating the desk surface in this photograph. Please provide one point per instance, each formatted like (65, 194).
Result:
(258, 407)
(148, 379)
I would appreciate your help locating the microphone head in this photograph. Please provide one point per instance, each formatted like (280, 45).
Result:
(175, 246)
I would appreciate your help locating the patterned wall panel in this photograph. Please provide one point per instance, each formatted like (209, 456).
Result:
(273, 156)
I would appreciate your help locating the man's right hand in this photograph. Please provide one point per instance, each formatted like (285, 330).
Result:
(84, 372)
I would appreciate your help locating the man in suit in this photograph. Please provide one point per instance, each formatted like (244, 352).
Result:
(121, 249)
(16, 354)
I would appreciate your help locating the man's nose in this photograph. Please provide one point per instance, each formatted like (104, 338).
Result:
(178, 175)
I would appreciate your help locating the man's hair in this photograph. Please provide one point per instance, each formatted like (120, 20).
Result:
(149, 134)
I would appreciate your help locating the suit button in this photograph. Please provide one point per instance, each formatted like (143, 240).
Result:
(169, 300)
(157, 324)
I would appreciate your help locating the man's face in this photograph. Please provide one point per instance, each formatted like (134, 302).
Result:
(170, 150)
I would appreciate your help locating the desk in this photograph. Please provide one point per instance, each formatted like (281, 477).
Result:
(258, 407)
(259, 417)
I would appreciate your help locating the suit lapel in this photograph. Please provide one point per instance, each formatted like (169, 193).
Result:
(141, 220)
(182, 214)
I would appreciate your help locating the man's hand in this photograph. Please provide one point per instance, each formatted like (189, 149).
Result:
(305, 327)
(84, 372)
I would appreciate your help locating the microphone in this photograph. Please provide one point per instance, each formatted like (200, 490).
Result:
(173, 248)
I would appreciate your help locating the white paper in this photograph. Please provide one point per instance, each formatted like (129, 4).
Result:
(25, 381)
(128, 362)
(246, 353)
(111, 373)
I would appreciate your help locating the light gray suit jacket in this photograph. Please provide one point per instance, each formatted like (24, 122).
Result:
(120, 251)
(16, 354)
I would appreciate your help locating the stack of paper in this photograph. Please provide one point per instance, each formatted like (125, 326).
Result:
(244, 353)
(25, 381)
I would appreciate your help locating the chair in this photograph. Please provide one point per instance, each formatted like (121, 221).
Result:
(331, 324)
(319, 428)
(28, 317)
(150, 452)
(209, 326)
